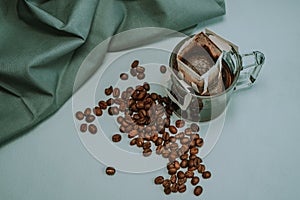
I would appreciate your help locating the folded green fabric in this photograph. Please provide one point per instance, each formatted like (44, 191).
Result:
(43, 43)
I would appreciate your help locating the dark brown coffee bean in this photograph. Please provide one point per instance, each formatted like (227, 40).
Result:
(201, 168)
(180, 174)
(154, 96)
(167, 190)
(141, 76)
(102, 104)
(141, 95)
(140, 105)
(163, 69)
(172, 171)
(147, 145)
(174, 187)
(188, 131)
(133, 72)
(87, 111)
(89, 118)
(194, 150)
(110, 111)
(135, 63)
(108, 90)
(133, 142)
(146, 86)
(206, 175)
(166, 183)
(83, 128)
(123, 76)
(116, 138)
(189, 174)
(172, 156)
(140, 69)
(166, 122)
(147, 152)
(182, 181)
(179, 123)
(159, 180)
(165, 136)
(184, 156)
(173, 129)
(195, 127)
(195, 180)
(198, 190)
(115, 110)
(120, 119)
(110, 171)
(190, 163)
(92, 129)
(197, 162)
(122, 129)
(199, 142)
(182, 188)
(79, 115)
(184, 163)
(97, 111)
(173, 178)
(116, 92)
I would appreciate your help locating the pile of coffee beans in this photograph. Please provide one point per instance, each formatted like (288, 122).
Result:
(145, 117)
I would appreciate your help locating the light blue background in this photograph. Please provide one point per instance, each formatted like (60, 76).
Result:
(257, 156)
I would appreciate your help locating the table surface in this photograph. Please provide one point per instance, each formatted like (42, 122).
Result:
(256, 157)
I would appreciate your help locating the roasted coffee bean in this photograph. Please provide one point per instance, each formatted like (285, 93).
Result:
(87, 111)
(159, 141)
(147, 145)
(173, 129)
(154, 96)
(141, 76)
(206, 175)
(166, 122)
(135, 63)
(116, 138)
(166, 183)
(140, 105)
(102, 104)
(172, 139)
(140, 69)
(199, 142)
(147, 152)
(179, 123)
(185, 140)
(188, 131)
(189, 174)
(190, 163)
(173, 146)
(108, 90)
(198, 190)
(92, 129)
(79, 115)
(110, 111)
(195, 180)
(182, 181)
(197, 162)
(179, 135)
(97, 111)
(166, 154)
(116, 92)
(120, 119)
(174, 187)
(123, 76)
(184, 164)
(146, 86)
(180, 174)
(133, 72)
(182, 188)
(163, 69)
(110, 171)
(141, 95)
(194, 150)
(159, 150)
(167, 190)
(195, 127)
(122, 129)
(165, 136)
(133, 142)
(172, 156)
(184, 156)
(115, 110)
(83, 128)
(201, 168)
(89, 118)
(159, 180)
(173, 178)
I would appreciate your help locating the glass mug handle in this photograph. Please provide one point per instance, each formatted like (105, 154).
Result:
(248, 75)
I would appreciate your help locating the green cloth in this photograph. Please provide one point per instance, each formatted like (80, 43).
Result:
(43, 43)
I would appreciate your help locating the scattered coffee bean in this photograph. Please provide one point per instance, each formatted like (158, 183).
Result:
(97, 111)
(163, 69)
(167, 191)
(135, 63)
(195, 127)
(133, 72)
(198, 190)
(123, 76)
(193, 150)
(189, 174)
(159, 180)
(166, 183)
(180, 174)
(87, 111)
(206, 175)
(146, 86)
(195, 180)
(140, 69)
(201, 168)
(173, 129)
(141, 76)
(83, 128)
(116, 92)
(110, 102)
(147, 152)
(92, 129)
(116, 138)
(179, 123)
(110, 171)
(89, 118)
(108, 90)
(79, 115)
(182, 188)
(102, 104)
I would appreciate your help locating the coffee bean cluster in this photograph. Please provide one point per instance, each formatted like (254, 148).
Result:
(89, 118)
(144, 117)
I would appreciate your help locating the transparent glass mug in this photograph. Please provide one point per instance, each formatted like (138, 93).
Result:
(193, 107)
